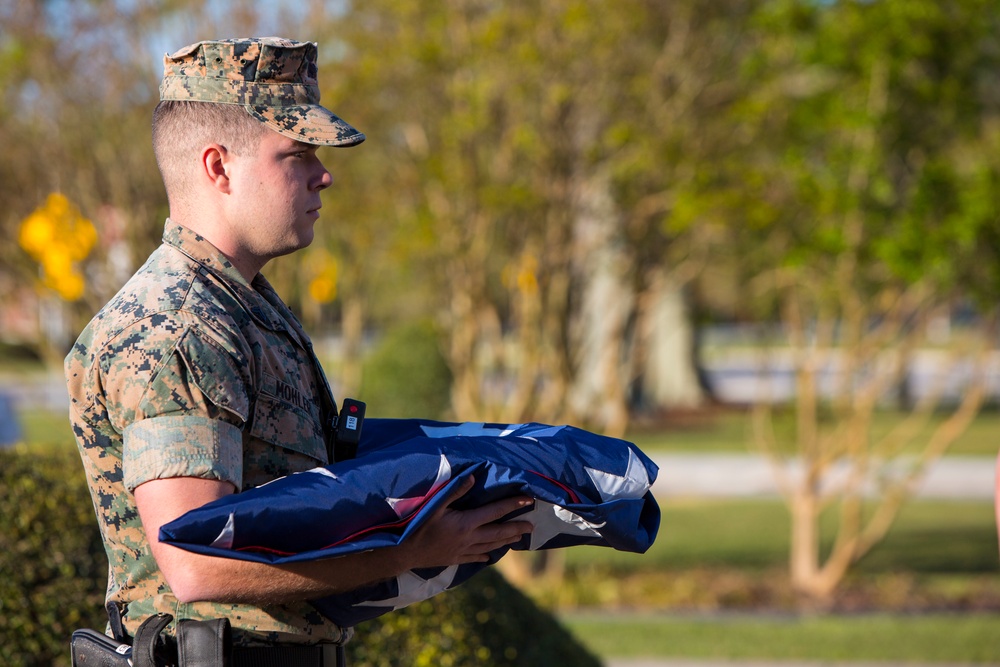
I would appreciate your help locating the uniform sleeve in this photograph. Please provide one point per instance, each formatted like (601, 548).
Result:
(182, 409)
(182, 446)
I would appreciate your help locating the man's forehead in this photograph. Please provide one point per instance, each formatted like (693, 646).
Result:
(281, 141)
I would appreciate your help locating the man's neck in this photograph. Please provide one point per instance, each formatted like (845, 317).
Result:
(247, 264)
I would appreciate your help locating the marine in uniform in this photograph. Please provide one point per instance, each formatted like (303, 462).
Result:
(190, 370)
(196, 381)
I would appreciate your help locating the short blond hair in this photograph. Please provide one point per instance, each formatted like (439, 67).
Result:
(182, 128)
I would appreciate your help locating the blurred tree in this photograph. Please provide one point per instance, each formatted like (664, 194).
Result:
(862, 200)
(65, 126)
(523, 186)
(78, 83)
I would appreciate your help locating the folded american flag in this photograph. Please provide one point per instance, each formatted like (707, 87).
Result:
(588, 489)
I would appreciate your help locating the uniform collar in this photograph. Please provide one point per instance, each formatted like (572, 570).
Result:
(199, 249)
(258, 297)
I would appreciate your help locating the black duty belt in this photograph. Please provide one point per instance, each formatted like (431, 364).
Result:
(198, 644)
(323, 655)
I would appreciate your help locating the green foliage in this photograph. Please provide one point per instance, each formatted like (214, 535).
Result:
(730, 555)
(485, 622)
(13, 355)
(406, 376)
(870, 124)
(53, 565)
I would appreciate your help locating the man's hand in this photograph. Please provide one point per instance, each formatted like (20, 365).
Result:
(454, 537)
(450, 537)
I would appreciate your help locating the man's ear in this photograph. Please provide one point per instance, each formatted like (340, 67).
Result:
(215, 166)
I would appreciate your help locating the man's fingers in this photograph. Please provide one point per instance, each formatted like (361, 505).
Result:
(454, 536)
(495, 535)
(486, 547)
(460, 490)
(480, 551)
(489, 512)
(498, 509)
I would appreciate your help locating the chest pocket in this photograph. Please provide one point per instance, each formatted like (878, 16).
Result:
(284, 416)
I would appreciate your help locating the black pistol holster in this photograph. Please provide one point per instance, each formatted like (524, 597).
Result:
(90, 648)
(198, 644)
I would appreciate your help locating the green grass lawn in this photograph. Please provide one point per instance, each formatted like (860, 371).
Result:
(45, 427)
(930, 537)
(729, 431)
(714, 585)
(934, 638)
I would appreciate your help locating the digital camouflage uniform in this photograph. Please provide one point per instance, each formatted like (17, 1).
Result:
(191, 372)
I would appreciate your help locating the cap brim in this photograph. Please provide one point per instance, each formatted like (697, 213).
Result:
(308, 123)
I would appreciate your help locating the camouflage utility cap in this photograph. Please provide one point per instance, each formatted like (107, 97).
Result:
(274, 79)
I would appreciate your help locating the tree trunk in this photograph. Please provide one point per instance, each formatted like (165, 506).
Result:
(669, 377)
(597, 396)
(804, 552)
(352, 314)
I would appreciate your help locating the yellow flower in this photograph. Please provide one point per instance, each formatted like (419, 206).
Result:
(323, 289)
(82, 237)
(58, 261)
(56, 235)
(527, 275)
(69, 286)
(323, 285)
(36, 234)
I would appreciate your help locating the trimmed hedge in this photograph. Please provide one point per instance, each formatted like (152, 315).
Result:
(53, 571)
(484, 622)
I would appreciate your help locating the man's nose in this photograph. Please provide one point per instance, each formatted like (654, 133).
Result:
(324, 178)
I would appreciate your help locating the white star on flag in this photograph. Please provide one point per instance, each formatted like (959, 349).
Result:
(468, 430)
(320, 471)
(632, 486)
(550, 520)
(547, 432)
(225, 538)
(414, 588)
(407, 506)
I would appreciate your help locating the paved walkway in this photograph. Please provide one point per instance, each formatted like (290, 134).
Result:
(743, 475)
(687, 474)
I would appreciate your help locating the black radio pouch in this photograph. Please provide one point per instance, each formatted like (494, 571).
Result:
(348, 432)
(204, 643)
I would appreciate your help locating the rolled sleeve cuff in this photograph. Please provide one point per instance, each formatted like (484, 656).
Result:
(185, 446)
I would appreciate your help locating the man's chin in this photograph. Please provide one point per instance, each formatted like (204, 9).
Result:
(304, 237)
(294, 245)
